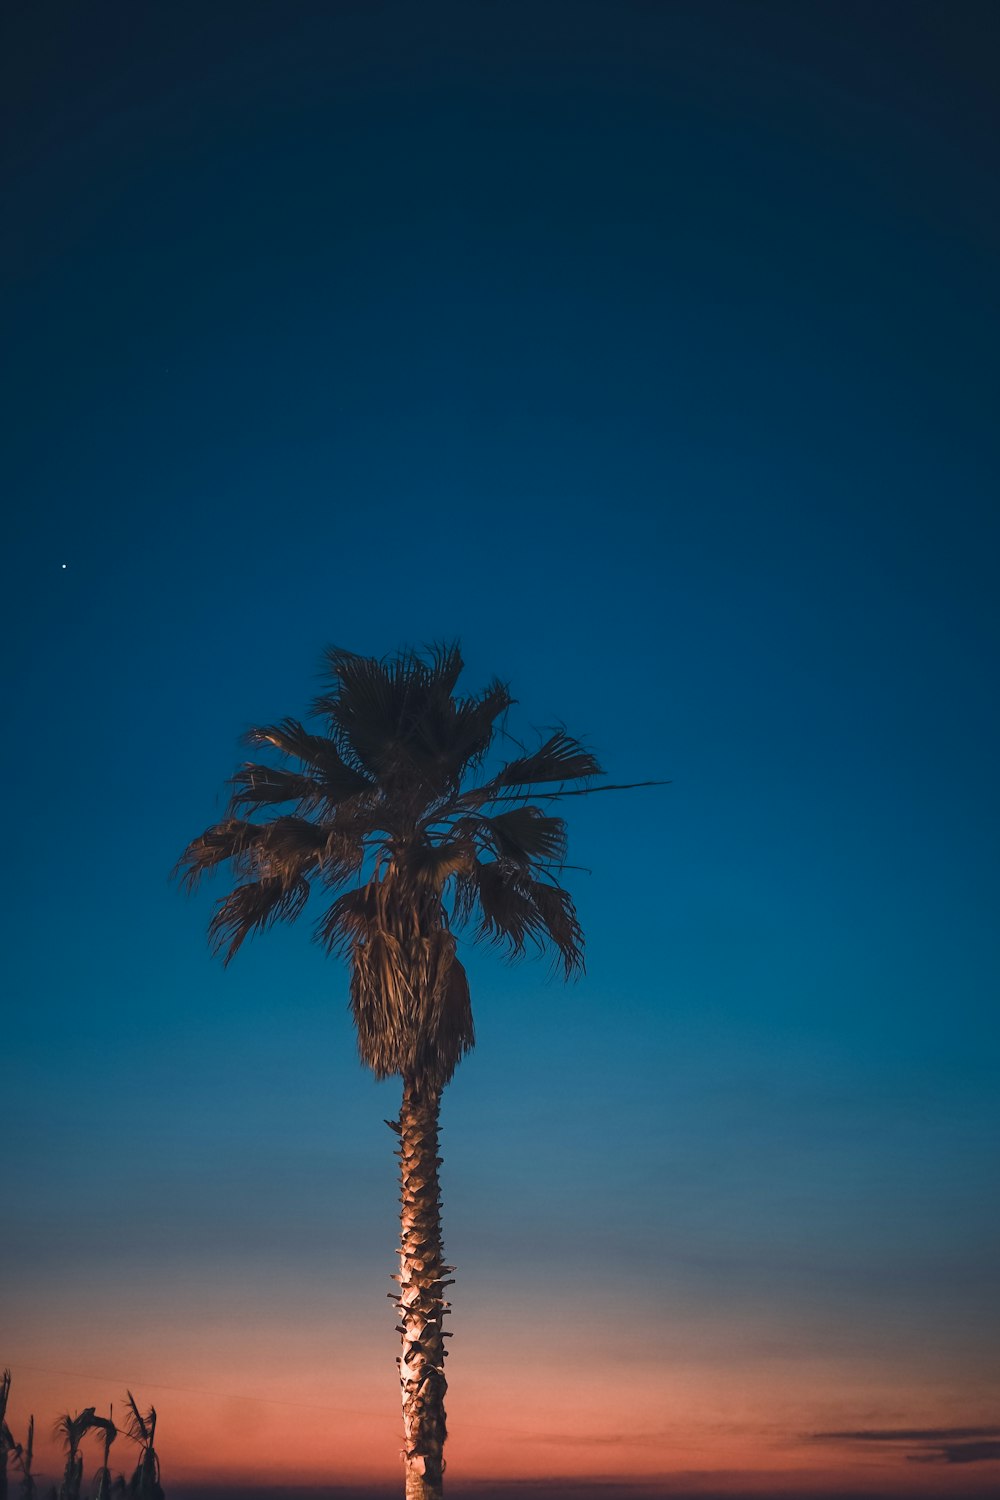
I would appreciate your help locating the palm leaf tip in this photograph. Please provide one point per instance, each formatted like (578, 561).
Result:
(137, 1427)
(562, 926)
(223, 841)
(559, 758)
(252, 908)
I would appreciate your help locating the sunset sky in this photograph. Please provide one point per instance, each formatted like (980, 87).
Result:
(649, 347)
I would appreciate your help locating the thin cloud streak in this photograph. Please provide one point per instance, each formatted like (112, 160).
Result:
(906, 1435)
(958, 1453)
(938, 1445)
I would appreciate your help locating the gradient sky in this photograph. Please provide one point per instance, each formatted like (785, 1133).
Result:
(650, 349)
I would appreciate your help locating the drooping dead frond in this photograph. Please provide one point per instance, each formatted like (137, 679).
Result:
(410, 1003)
(456, 1021)
(347, 919)
(382, 1000)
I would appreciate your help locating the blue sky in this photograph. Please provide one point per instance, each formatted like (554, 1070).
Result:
(652, 352)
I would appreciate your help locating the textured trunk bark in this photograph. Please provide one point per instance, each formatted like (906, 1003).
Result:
(420, 1302)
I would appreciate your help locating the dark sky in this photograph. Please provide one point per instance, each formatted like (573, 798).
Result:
(651, 349)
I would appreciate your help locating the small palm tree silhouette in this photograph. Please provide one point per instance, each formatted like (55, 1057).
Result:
(145, 1482)
(71, 1430)
(25, 1457)
(8, 1447)
(107, 1427)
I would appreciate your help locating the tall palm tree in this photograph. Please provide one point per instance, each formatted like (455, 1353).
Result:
(392, 814)
(71, 1430)
(145, 1482)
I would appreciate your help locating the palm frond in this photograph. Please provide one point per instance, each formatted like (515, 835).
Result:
(434, 864)
(496, 892)
(72, 1429)
(140, 1428)
(511, 910)
(562, 925)
(583, 791)
(560, 758)
(288, 844)
(318, 752)
(471, 724)
(400, 721)
(441, 736)
(256, 786)
(524, 834)
(23, 1456)
(445, 666)
(367, 703)
(223, 841)
(252, 908)
(289, 847)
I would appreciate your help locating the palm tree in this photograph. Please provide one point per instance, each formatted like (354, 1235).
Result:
(391, 813)
(106, 1426)
(145, 1482)
(7, 1444)
(25, 1457)
(71, 1430)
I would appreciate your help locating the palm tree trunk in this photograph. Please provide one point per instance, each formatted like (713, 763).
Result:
(420, 1302)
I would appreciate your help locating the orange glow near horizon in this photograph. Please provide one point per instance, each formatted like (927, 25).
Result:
(256, 1400)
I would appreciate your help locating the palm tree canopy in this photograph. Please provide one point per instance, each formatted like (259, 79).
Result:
(392, 817)
(139, 1426)
(72, 1429)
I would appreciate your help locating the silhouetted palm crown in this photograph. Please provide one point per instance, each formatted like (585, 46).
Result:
(392, 813)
